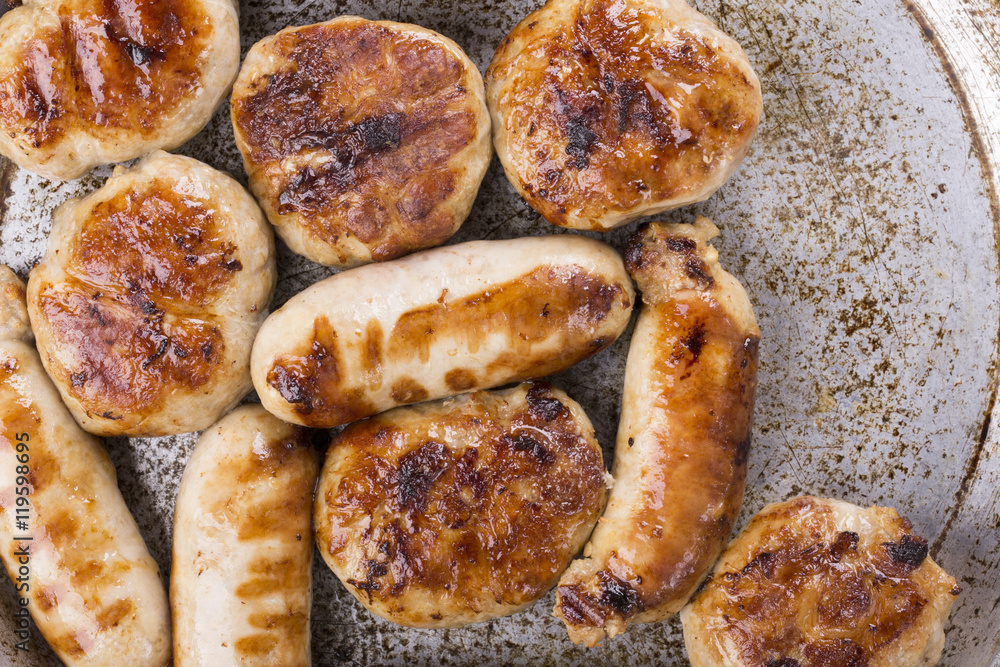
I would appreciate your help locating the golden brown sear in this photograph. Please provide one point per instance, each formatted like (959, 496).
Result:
(458, 511)
(608, 110)
(149, 296)
(363, 140)
(468, 316)
(87, 82)
(527, 310)
(683, 439)
(813, 582)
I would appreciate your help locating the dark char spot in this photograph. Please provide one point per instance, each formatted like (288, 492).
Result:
(846, 541)
(291, 388)
(580, 608)
(632, 107)
(910, 551)
(680, 244)
(137, 53)
(697, 269)
(161, 349)
(633, 250)
(542, 405)
(376, 569)
(381, 133)
(363, 585)
(581, 141)
(765, 561)
(617, 594)
(695, 341)
(523, 443)
(418, 470)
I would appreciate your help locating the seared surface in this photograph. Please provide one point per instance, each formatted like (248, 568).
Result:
(149, 296)
(571, 301)
(683, 439)
(461, 510)
(240, 584)
(94, 591)
(607, 110)
(468, 316)
(87, 82)
(363, 140)
(813, 582)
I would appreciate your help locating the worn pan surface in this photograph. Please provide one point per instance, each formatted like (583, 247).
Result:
(864, 225)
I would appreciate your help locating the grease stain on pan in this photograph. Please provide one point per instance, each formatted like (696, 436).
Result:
(862, 223)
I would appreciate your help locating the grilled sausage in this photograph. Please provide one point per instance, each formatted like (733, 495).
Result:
(363, 140)
(240, 585)
(812, 582)
(438, 323)
(608, 110)
(148, 297)
(68, 540)
(457, 511)
(683, 439)
(85, 82)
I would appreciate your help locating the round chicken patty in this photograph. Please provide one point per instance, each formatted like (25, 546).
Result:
(149, 296)
(608, 110)
(457, 511)
(85, 83)
(813, 582)
(363, 140)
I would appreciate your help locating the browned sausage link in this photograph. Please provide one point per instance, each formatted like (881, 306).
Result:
(240, 585)
(363, 140)
(437, 323)
(608, 110)
(680, 462)
(91, 82)
(146, 302)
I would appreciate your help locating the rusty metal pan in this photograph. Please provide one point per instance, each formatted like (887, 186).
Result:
(864, 223)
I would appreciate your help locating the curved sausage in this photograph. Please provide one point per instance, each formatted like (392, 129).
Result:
(457, 511)
(439, 323)
(240, 583)
(683, 439)
(72, 547)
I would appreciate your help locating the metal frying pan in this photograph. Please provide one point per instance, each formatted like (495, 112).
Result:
(864, 223)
